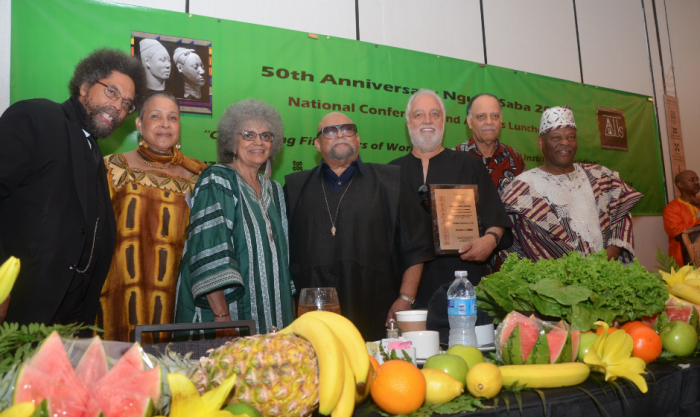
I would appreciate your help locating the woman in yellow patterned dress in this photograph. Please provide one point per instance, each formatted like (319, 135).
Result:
(148, 188)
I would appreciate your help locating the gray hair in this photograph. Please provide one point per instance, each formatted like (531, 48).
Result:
(421, 92)
(152, 95)
(469, 105)
(234, 119)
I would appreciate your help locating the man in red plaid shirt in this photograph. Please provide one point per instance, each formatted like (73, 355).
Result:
(484, 117)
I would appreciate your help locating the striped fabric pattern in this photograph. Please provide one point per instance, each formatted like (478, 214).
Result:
(237, 243)
(540, 233)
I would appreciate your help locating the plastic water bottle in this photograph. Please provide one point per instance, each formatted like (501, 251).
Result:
(461, 311)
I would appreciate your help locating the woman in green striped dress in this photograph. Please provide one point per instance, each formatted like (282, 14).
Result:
(235, 264)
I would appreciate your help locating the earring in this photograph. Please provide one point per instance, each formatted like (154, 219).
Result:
(268, 168)
(178, 145)
(140, 143)
(140, 138)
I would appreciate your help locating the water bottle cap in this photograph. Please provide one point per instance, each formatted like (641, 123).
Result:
(461, 274)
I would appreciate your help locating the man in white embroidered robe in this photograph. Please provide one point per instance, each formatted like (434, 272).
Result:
(563, 206)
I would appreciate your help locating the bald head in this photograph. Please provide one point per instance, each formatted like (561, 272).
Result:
(332, 119)
(687, 183)
(683, 175)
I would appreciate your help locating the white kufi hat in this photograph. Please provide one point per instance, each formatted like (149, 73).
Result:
(557, 118)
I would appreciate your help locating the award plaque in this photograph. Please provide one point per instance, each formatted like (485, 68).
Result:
(453, 210)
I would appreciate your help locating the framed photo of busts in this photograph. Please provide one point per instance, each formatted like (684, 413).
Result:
(180, 66)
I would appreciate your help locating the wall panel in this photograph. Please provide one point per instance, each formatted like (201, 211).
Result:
(613, 45)
(685, 38)
(534, 36)
(332, 18)
(447, 27)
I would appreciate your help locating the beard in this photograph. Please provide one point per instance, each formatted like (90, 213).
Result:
(426, 144)
(334, 153)
(95, 126)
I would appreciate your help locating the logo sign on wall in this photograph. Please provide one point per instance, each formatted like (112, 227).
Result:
(612, 128)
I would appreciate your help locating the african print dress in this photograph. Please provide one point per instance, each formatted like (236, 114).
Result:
(152, 217)
(236, 242)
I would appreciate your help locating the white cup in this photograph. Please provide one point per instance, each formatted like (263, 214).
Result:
(484, 334)
(427, 342)
(411, 320)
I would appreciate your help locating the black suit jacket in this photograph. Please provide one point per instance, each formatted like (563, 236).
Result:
(43, 208)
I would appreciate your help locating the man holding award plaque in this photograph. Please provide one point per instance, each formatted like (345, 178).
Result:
(355, 226)
(469, 220)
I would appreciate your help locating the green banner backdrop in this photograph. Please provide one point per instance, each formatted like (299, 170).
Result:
(305, 78)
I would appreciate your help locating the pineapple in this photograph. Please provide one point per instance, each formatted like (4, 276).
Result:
(277, 373)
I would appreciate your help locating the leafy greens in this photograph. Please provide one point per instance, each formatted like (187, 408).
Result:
(577, 289)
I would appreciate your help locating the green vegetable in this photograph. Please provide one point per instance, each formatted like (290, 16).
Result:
(577, 289)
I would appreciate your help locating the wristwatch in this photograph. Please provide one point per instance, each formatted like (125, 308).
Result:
(494, 234)
(409, 300)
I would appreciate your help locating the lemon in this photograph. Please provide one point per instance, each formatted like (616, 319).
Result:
(440, 387)
(484, 380)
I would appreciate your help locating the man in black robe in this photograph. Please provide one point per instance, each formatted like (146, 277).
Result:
(355, 226)
(430, 163)
(55, 208)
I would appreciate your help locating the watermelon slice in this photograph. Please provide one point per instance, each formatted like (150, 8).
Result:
(559, 345)
(93, 365)
(539, 354)
(516, 337)
(49, 373)
(575, 341)
(522, 340)
(672, 312)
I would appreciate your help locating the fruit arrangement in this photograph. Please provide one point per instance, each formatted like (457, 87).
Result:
(318, 360)
(525, 341)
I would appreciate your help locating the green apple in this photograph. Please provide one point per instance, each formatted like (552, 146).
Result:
(679, 338)
(470, 354)
(585, 342)
(452, 364)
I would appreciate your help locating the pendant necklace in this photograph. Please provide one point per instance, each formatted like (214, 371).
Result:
(333, 229)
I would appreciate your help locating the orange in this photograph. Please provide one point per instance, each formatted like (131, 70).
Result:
(627, 327)
(374, 363)
(647, 344)
(599, 330)
(398, 387)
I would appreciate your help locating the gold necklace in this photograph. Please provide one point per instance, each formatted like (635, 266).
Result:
(323, 187)
(152, 165)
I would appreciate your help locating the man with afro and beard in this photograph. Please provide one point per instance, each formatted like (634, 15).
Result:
(54, 199)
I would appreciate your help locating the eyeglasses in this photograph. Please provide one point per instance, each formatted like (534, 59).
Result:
(424, 194)
(115, 95)
(264, 136)
(330, 132)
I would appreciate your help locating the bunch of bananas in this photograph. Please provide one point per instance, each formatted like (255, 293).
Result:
(345, 373)
(8, 274)
(683, 285)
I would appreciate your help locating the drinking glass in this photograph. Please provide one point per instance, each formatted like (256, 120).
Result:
(318, 299)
